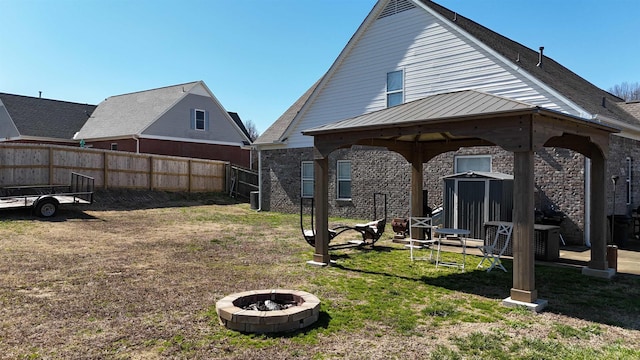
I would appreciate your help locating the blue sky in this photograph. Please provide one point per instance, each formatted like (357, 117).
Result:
(259, 56)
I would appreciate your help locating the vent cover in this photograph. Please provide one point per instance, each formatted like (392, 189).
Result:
(396, 6)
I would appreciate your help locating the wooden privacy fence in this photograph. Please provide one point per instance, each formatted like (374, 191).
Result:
(35, 164)
(243, 182)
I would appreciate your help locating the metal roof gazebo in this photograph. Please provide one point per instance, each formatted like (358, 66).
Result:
(422, 129)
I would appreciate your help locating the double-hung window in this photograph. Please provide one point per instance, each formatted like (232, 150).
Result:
(307, 179)
(465, 163)
(395, 88)
(200, 119)
(344, 179)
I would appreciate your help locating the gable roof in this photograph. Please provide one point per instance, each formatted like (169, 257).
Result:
(129, 114)
(632, 107)
(46, 118)
(598, 102)
(553, 74)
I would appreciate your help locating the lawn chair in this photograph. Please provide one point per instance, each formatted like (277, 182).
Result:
(494, 251)
(414, 242)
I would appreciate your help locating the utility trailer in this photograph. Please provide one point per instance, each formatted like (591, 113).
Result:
(45, 199)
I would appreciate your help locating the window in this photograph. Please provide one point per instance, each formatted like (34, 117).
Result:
(307, 179)
(395, 87)
(199, 119)
(466, 163)
(344, 179)
(114, 146)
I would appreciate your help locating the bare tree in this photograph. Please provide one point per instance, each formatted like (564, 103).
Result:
(626, 91)
(252, 130)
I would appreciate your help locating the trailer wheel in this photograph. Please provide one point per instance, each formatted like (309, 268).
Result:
(46, 208)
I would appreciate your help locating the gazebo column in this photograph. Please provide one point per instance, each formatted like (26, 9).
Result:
(416, 186)
(524, 291)
(598, 265)
(321, 194)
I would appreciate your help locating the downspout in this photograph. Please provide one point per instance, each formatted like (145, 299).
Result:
(137, 139)
(259, 180)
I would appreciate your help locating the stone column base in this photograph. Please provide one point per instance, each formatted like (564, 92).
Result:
(536, 306)
(604, 274)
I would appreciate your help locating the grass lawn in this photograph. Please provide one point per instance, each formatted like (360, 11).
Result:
(137, 276)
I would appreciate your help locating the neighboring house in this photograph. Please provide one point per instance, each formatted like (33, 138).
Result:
(38, 120)
(181, 120)
(406, 50)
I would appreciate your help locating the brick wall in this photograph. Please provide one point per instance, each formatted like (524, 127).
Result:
(559, 180)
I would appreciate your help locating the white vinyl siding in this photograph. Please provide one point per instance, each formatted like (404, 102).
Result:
(306, 170)
(434, 58)
(344, 179)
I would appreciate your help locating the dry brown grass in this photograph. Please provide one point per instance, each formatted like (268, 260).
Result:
(136, 276)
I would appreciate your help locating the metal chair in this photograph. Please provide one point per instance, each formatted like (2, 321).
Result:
(494, 251)
(414, 242)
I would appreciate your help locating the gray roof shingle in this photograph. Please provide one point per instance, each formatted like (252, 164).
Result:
(46, 118)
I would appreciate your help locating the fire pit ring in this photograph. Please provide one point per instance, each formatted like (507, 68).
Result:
(233, 315)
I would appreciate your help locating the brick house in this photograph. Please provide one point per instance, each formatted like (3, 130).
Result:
(180, 120)
(407, 50)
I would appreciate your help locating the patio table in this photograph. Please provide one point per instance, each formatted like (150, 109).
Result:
(460, 235)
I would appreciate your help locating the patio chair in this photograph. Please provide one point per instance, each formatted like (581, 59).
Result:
(414, 242)
(492, 252)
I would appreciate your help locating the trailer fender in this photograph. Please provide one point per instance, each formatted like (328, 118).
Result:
(46, 206)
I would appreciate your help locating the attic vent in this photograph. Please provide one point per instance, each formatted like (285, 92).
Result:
(396, 6)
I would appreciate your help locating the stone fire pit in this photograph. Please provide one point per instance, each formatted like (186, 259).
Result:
(303, 310)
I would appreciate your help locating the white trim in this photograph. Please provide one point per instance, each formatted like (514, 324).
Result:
(195, 119)
(169, 138)
(302, 179)
(199, 141)
(338, 179)
(37, 138)
(401, 91)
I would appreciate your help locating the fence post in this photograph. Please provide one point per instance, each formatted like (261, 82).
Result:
(50, 165)
(189, 174)
(151, 184)
(106, 171)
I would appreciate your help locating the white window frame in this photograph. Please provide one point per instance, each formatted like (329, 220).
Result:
(195, 119)
(343, 178)
(458, 157)
(391, 92)
(309, 178)
(114, 146)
